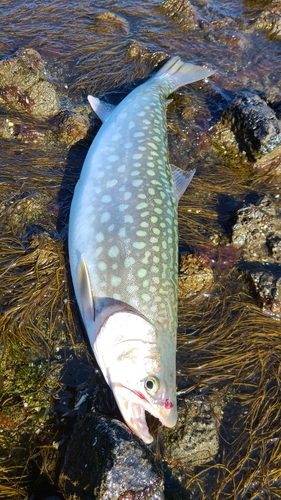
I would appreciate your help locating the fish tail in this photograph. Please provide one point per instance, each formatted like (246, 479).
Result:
(177, 73)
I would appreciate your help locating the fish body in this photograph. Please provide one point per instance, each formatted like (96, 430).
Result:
(123, 248)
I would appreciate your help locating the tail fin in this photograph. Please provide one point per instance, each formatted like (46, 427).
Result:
(178, 73)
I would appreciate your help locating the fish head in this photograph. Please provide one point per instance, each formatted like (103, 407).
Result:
(139, 366)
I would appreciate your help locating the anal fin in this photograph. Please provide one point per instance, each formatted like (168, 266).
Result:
(181, 180)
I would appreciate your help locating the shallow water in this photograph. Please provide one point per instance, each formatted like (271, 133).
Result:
(227, 347)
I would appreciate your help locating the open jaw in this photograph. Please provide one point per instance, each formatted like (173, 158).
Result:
(133, 411)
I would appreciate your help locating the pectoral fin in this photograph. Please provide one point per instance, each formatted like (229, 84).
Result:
(102, 109)
(181, 179)
(85, 293)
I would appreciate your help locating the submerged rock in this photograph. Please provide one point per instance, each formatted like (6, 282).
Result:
(112, 22)
(195, 439)
(196, 269)
(194, 275)
(270, 21)
(105, 461)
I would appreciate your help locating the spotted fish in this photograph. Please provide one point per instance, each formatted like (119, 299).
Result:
(123, 247)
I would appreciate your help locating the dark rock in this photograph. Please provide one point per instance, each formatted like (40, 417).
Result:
(52, 498)
(274, 245)
(258, 233)
(276, 106)
(104, 460)
(29, 134)
(68, 127)
(254, 124)
(267, 286)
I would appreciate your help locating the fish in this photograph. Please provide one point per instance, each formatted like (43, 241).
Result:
(123, 247)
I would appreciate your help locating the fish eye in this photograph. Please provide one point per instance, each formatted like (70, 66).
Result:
(151, 385)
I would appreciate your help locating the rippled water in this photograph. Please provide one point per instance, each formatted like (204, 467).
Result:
(85, 51)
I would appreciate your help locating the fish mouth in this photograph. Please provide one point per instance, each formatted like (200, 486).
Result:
(134, 416)
(134, 413)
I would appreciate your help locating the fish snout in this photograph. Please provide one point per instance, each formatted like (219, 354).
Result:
(167, 413)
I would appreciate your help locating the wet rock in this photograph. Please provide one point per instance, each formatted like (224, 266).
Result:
(270, 21)
(258, 233)
(274, 245)
(29, 134)
(104, 460)
(195, 439)
(218, 257)
(23, 69)
(136, 50)
(269, 162)
(43, 99)
(144, 60)
(257, 230)
(254, 123)
(276, 106)
(68, 126)
(267, 286)
(23, 84)
(225, 145)
(7, 128)
(72, 126)
(182, 11)
(15, 128)
(194, 275)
